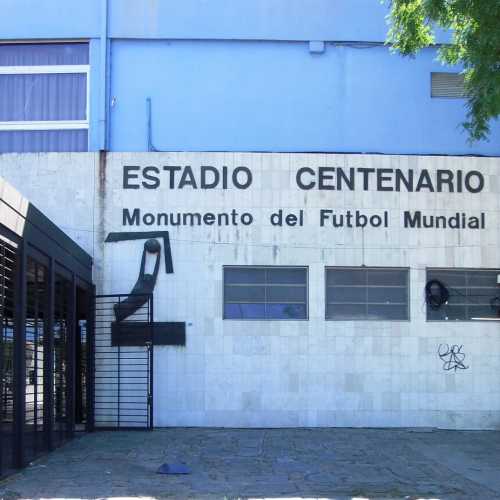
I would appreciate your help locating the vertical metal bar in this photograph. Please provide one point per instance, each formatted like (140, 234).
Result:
(19, 357)
(58, 335)
(71, 360)
(119, 380)
(35, 357)
(3, 293)
(90, 424)
(151, 359)
(48, 361)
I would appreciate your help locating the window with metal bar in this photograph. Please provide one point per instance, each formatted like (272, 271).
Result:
(265, 292)
(44, 97)
(473, 294)
(367, 293)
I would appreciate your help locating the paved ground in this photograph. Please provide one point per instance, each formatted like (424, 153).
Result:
(297, 463)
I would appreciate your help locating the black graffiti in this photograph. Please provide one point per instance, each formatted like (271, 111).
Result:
(452, 357)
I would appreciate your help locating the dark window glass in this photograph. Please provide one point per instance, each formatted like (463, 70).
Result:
(451, 278)
(458, 298)
(482, 278)
(286, 275)
(345, 311)
(386, 277)
(265, 293)
(383, 311)
(346, 294)
(349, 277)
(244, 311)
(285, 293)
(367, 294)
(473, 295)
(244, 275)
(286, 311)
(385, 295)
(245, 293)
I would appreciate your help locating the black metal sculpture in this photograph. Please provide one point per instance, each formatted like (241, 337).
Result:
(139, 332)
(144, 285)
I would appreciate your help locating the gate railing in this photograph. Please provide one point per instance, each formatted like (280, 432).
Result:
(122, 369)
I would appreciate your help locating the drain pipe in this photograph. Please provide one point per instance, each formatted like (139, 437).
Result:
(151, 147)
(101, 198)
(104, 73)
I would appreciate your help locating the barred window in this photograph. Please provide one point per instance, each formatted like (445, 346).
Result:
(364, 293)
(473, 294)
(265, 292)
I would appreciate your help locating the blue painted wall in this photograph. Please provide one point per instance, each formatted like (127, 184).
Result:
(197, 19)
(237, 75)
(276, 96)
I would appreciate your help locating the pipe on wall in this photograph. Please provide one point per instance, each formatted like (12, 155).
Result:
(104, 78)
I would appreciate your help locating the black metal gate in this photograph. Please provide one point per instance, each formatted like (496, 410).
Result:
(122, 366)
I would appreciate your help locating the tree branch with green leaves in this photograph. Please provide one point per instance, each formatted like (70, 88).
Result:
(475, 45)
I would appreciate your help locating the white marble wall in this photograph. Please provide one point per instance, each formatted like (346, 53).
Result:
(289, 373)
(62, 185)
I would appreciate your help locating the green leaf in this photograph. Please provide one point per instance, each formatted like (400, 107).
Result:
(475, 45)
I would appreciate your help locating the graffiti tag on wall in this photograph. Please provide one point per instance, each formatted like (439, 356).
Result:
(452, 357)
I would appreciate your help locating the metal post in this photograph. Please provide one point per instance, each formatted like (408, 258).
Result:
(36, 314)
(19, 357)
(71, 360)
(48, 362)
(119, 384)
(90, 423)
(151, 359)
(3, 294)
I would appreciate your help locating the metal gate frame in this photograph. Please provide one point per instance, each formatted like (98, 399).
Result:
(113, 377)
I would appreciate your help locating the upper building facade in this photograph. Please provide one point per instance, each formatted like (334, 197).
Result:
(221, 75)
